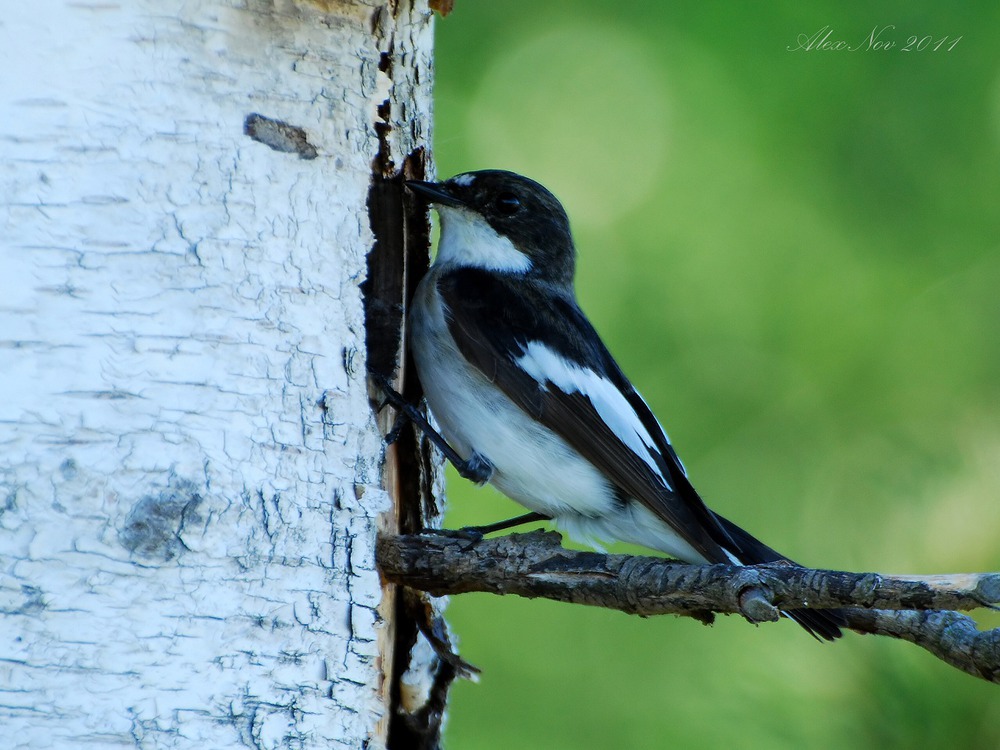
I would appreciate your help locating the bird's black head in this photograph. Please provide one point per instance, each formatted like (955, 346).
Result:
(503, 222)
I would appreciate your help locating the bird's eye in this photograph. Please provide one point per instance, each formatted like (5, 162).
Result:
(508, 204)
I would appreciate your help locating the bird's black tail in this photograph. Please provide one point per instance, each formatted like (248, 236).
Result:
(820, 623)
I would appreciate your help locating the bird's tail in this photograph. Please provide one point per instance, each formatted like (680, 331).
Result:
(820, 623)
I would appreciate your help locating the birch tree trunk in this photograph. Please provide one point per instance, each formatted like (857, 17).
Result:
(191, 476)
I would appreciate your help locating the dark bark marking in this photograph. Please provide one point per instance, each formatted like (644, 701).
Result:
(279, 135)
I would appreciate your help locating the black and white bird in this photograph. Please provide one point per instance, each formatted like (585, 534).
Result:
(528, 396)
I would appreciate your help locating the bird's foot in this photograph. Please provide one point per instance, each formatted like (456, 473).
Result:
(476, 468)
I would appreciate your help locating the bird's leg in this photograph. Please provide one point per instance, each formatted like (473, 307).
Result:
(475, 534)
(476, 468)
(508, 524)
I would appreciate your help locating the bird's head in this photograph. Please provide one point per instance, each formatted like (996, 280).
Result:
(503, 222)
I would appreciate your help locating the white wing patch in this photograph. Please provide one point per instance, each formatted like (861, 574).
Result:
(468, 241)
(663, 431)
(546, 366)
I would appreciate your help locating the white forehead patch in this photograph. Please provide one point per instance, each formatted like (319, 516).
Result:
(468, 240)
(463, 180)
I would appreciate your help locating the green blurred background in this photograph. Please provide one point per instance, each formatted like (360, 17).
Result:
(795, 255)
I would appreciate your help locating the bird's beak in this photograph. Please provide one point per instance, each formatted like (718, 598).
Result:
(435, 192)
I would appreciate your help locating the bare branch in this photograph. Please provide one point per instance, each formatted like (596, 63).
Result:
(536, 565)
(950, 636)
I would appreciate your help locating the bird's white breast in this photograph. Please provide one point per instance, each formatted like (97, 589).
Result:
(533, 465)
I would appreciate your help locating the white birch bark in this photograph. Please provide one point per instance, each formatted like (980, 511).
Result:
(189, 467)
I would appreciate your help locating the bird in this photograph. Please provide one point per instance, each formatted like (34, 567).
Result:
(527, 397)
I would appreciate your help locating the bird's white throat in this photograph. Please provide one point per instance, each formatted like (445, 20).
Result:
(468, 240)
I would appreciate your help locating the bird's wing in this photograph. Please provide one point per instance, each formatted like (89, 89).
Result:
(572, 385)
